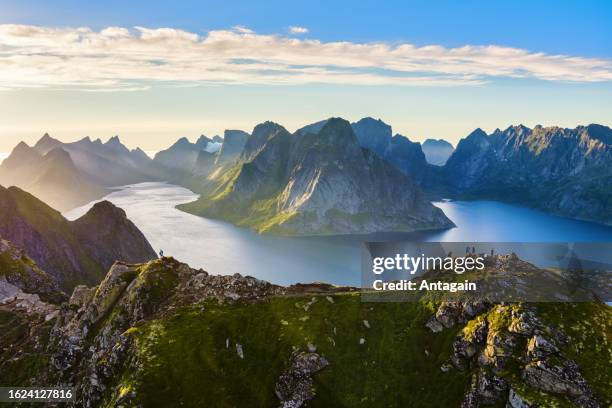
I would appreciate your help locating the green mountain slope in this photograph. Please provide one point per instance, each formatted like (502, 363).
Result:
(163, 334)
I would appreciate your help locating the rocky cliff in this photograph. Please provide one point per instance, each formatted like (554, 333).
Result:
(72, 252)
(323, 183)
(164, 334)
(233, 143)
(563, 171)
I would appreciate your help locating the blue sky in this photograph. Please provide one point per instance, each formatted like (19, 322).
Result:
(452, 90)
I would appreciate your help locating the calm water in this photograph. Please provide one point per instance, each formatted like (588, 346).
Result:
(222, 248)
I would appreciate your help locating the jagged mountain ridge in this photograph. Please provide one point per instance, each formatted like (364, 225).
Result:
(563, 171)
(67, 175)
(184, 155)
(321, 183)
(74, 252)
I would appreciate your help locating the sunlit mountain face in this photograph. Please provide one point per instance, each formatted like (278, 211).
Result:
(342, 204)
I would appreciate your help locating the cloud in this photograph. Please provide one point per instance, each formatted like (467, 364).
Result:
(118, 58)
(298, 30)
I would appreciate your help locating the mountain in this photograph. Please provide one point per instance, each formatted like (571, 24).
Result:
(373, 134)
(182, 155)
(233, 143)
(67, 175)
(61, 184)
(438, 151)
(72, 252)
(165, 334)
(191, 159)
(323, 183)
(559, 170)
(19, 273)
(51, 175)
(46, 143)
(405, 155)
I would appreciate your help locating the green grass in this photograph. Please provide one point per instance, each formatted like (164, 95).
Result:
(184, 359)
(589, 327)
(21, 358)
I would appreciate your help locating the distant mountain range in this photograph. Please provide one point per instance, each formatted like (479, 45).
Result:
(66, 175)
(274, 181)
(562, 171)
(437, 151)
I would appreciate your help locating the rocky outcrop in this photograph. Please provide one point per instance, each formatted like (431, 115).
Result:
(129, 295)
(485, 389)
(295, 386)
(560, 376)
(490, 341)
(17, 269)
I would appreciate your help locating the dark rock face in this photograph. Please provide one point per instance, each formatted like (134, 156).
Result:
(233, 143)
(72, 252)
(109, 236)
(373, 134)
(438, 151)
(260, 136)
(398, 150)
(322, 184)
(563, 171)
(490, 341)
(19, 270)
(133, 293)
(295, 387)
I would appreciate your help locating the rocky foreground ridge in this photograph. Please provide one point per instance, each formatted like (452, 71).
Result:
(165, 334)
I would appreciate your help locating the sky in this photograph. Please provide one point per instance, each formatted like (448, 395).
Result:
(154, 71)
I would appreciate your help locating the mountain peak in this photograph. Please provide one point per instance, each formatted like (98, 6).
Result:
(21, 146)
(21, 154)
(261, 134)
(46, 143)
(437, 142)
(373, 134)
(182, 143)
(600, 132)
(202, 142)
(477, 133)
(312, 128)
(114, 141)
(106, 210)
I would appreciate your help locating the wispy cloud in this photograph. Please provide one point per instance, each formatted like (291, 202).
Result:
(118, 58)
(298, 30)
